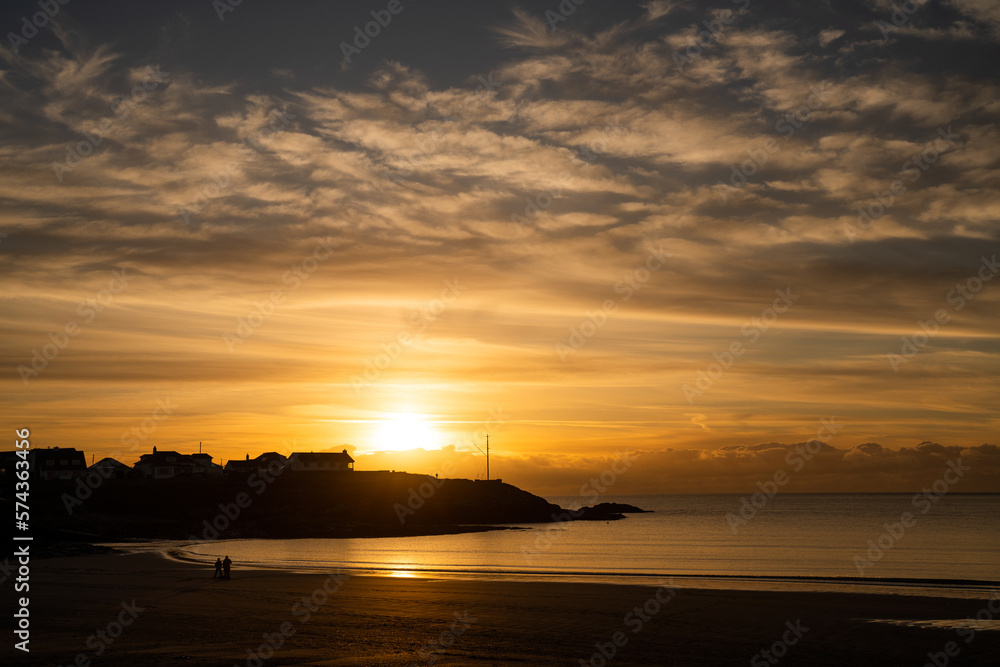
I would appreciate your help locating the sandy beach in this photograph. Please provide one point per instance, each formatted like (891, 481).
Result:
(147, 610)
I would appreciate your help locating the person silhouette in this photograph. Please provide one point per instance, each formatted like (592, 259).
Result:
(226, 565)
(218, 568)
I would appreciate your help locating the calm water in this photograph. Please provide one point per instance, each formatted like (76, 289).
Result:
(816, 536)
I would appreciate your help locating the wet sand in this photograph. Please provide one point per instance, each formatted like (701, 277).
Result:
(182, 616)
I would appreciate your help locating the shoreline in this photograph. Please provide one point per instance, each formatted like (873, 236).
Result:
(189, 618)
(944, 588)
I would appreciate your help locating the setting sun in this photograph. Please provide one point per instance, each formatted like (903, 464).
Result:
(403, 430)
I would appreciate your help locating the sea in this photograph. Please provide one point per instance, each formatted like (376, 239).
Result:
(944, 545)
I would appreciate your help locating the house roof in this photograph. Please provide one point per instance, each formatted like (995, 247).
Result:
(109, 462)
(50, 458)
(164, 458)
(254, 463)
(323, 457)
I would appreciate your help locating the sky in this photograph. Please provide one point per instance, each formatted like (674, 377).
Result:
(677, 240)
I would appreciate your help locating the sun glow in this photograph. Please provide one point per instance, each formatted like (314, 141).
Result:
(406, 430)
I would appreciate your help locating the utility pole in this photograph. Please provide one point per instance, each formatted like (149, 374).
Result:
(487, 455)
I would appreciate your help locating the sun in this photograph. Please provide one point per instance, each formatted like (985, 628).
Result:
(404, 430)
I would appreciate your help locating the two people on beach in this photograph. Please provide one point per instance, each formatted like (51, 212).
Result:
(222, 568)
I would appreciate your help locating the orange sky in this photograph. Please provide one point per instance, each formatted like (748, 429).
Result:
(392, 256)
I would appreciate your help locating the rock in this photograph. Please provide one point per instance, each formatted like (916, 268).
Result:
(619, 507)
(606, 512)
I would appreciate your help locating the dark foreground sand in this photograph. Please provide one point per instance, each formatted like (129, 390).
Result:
(187, 618)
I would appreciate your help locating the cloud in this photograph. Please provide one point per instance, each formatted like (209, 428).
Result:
(530, 31)
(983, 11)
(811, 467)
(657, 9)
(541, 184)
(830, 35)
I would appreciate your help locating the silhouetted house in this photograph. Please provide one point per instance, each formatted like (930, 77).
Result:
(271, 462)
(8, 464)
(241, 466)
(205, 465)
(57, 463)
(109, 468)
(321, 461)
(167, 465)
(164, 465)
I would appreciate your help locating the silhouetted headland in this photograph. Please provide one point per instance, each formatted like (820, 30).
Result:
(292, 505)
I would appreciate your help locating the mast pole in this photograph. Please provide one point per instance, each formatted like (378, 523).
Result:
(487, 457)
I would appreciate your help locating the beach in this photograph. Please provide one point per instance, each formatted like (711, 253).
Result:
(145, 609)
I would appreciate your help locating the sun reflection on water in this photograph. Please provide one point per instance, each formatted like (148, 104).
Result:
(405, 574)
